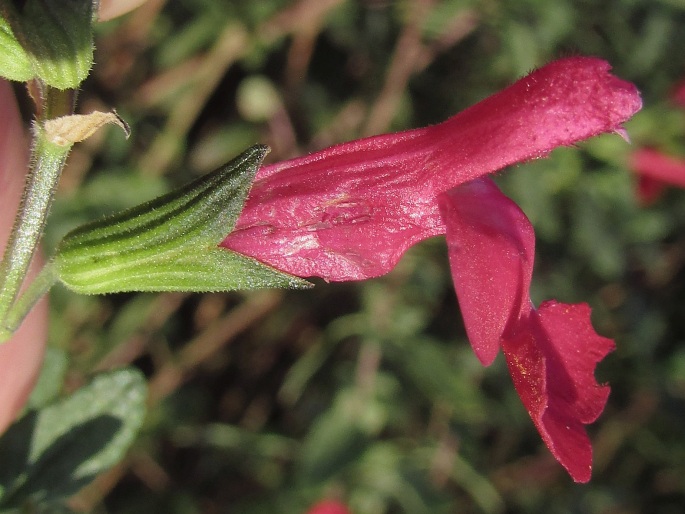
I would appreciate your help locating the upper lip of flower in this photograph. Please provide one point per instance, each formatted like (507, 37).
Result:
(400, 175)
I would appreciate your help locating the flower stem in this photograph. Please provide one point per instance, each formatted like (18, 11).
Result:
(26, 301)
(47, 162)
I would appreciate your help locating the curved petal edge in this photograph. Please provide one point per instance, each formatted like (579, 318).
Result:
(552, 358)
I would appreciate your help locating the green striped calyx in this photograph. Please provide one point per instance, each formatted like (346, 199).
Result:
(171, 243)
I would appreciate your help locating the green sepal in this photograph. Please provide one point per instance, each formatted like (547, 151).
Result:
(47, 39)
(171, 243)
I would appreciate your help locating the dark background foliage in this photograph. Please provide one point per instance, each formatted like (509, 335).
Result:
(369, 392)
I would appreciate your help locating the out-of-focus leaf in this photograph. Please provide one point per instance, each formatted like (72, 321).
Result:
(51, 453)
(335, 441)
(56, 37)
(15, 64)
(51, 378)
(448, 382)
(257, 454)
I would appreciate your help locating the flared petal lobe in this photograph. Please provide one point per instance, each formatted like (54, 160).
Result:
(491, 248)
(551, 359)
(349, 212)
(552, 352)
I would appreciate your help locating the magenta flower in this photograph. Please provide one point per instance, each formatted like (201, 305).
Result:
(349, 213)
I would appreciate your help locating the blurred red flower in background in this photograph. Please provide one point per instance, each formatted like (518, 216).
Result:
(656, 170)
(328, 507)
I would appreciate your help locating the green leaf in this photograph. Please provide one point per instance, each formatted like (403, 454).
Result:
(171, 243)
(47, 39)
(15, 64)
(50, 454)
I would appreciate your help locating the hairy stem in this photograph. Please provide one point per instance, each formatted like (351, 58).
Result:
(47, 162)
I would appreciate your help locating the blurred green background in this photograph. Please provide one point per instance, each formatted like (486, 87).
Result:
(369, 392)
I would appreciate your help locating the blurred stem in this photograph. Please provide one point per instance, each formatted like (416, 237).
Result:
(45, 168)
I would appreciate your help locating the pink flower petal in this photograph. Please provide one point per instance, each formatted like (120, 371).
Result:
(552, 352)
(349, 212)
(491, 247)
(552, 356)
(557, 105)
